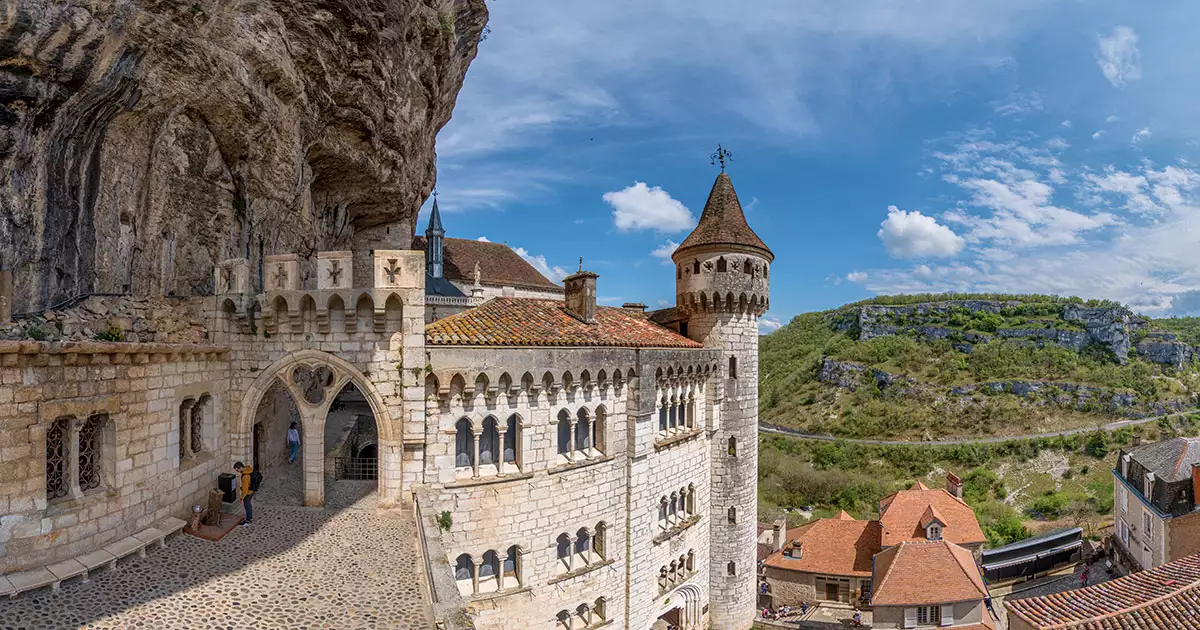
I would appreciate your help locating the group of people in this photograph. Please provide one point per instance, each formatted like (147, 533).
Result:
(784, 611)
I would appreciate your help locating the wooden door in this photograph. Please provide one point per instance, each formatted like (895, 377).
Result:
(831, 591)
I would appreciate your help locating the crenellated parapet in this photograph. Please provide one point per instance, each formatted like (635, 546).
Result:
(338, 303)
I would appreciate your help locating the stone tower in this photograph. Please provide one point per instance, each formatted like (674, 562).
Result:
(722, 271)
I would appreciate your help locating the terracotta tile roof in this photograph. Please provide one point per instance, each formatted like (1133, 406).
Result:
(902, 514)
(534, 322)
(931, 515)
(926, 573)
(499, 265)
(1170, 460)
(832, 546)
(1163, 598)
(723, 222)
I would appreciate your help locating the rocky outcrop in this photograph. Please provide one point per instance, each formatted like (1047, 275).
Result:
(1113, 328)
(851, 376)
(158, 320)
(143, 140)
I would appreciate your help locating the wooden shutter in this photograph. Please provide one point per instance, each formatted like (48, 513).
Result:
(948, 614)
(910, 617)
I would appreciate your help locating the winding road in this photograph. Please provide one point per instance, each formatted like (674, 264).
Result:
(1112, 426)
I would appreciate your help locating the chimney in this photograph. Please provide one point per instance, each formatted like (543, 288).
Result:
(1137, 439)
(581, 295)
(635, 306)
(795, 551)
(1196, 484)
(954, 485)
(6, 282)
(780, 532)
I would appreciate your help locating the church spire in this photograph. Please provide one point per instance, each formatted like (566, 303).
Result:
(433, 242)
(723, 224)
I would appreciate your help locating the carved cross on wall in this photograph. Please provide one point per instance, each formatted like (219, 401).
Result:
(392, 270)
(281, 276)
(335, 271)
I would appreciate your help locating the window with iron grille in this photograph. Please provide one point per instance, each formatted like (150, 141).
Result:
(90, 454)
(57, 453)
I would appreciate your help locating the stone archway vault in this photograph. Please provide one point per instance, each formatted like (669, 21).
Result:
(313, 379)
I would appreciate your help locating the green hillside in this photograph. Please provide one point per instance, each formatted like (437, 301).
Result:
(1078, 387)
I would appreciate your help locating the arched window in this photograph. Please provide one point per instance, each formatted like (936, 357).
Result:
(599, 431)
(563, 551)
(601, 609)
(57, 459)
(564, 436)
(748, 267)
(733, 367)
(200, 417)
(583, 547)
(672, 420)
(696, 267)
(662, 513)
(674, 508)
(185, 428)
(511, 440)
(721, 264)
(585, 614)
(512, 567)
(673, 571)
(489, 573)
(583, 434)
(662, 415)
(691, 561)
(599, 541)
(464, 574)
(732, 446)
(691, 500)
(464, 444)
(488, 443)
(732, 515)
(663, 580)
(732, 568)
(564, 619)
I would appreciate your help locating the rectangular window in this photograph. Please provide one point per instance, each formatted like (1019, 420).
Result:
(929, 615)
(1146, 522)
(1124, 498)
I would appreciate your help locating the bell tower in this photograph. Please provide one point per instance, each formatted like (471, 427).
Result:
(722, 284)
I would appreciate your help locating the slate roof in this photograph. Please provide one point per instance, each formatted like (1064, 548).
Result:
(903, 512)
(535, 322)
(926, 573)
(723, 222)
(1170, 460)
(499, 265)
(1163, 598)
(832, 546)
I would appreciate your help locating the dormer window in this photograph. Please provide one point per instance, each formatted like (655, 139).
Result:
(1148, 486)
(934, 531)
(1125, 466)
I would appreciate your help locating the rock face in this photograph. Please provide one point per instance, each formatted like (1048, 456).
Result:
(143, 140)
(1114, 328)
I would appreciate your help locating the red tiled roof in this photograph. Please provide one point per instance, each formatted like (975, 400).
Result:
(499, 265)
(535, 322)
(926, 573)
(832, 546)
(902, 514)
(723, 222)
(1163, 598)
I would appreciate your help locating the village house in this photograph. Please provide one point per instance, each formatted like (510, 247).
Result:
(830, 560)
(1166, 597)
(928, 583)
(1156, 493)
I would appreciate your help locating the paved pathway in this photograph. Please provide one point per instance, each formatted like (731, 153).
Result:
(1111, 426)
(294, 568)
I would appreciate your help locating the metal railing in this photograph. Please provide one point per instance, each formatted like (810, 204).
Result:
(356, 468)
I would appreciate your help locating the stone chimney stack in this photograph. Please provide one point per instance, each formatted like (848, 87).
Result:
(779, 532)
(1196, 484)
(634, 306)
(954, 485)
(6, 289)
(581, 295)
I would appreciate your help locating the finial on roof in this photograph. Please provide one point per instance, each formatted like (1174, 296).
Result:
(721, 156)
(581, 263)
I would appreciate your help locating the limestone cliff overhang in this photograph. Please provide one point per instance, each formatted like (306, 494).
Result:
(27, 347)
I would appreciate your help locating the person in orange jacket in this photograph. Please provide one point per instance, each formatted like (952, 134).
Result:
(250, 482)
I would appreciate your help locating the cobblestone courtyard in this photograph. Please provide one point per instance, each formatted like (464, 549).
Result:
(294, 568)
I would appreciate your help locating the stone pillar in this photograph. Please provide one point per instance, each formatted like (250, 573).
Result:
(313, 447)
(475, 454)
(6, 289)
(571, 442)
(500, 460)
(476, 563)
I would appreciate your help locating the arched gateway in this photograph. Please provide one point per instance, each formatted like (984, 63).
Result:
(313, 379)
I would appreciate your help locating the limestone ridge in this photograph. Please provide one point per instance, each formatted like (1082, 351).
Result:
(1114, 328)
(143, 141)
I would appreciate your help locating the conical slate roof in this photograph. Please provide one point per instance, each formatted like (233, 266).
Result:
(723, 222)
(435, 220)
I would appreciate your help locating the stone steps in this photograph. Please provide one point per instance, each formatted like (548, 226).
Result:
(53, 575)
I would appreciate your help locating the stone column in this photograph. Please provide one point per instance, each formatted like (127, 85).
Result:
(475, 452)
(476, 562)
(571, 441)
(571, 554)
(313, 447)
(6, 289)
(503, 433)
(500, 577)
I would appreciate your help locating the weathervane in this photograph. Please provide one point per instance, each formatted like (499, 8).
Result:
(435, 193)
(721, 156)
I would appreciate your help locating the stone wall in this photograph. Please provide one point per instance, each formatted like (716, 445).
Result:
(1183, 536)
(142, 478)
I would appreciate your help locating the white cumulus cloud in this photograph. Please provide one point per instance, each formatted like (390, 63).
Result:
(1118, 56)
(1141, 134)
(768, 324)
(665, 250)
(857, 276)
(484, 239)
(914, 235)
(642, 207)
(554, 273)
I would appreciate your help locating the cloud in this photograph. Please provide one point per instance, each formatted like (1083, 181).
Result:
(484, 239)
(1020, 104)
(1112, 118)
(641, 207)
(914, 235)
(768, 324)
(665, 250)
(1185, 304)
(1065, 123)
(554, 273)
(1118, 56)
(1099, 134)
(1141, 134)
(857, 276)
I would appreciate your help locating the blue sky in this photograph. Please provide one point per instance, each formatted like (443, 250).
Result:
(879, 147)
